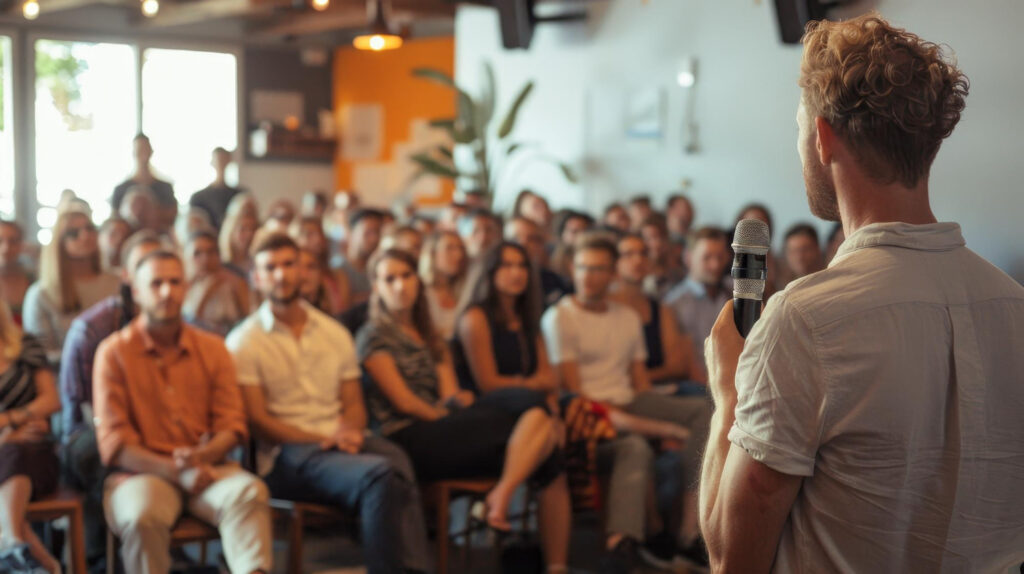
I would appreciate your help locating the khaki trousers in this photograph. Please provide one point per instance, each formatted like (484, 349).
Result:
(141, 509)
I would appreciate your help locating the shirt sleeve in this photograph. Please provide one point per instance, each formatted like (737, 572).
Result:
(780, 392)
(36, 317)
(245, 358)
(228, 411)
(114, 429)
(639, 342)
(560, 336)
(350, 368)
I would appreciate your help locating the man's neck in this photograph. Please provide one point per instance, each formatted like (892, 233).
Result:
(143, 173)
(598, 304)
(291, 314)
(628, 289)
(164, 334)
(219, 180)
(863, 201)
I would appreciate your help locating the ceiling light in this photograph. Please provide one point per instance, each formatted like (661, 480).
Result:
(150, 8)
(379, 37)
(321, 5)
(30, 9)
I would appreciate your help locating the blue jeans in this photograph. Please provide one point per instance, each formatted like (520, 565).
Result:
(378, 483)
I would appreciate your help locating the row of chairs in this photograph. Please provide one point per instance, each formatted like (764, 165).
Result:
(67, 504)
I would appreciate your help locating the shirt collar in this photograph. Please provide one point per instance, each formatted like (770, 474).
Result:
(185, 344)
(268, 321)
(944, 236)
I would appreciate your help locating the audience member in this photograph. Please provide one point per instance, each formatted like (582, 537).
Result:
(341, 207)
(308, 233)
(236, 234)
(476, 199)
(803, 251)
(388, 222)
(169, 410)
(670, 355)
(528, 234)
(140, 210)
(664, 266)
(28, 465)
(365, 231)
(835, 239)
(616, 217)
(569, 225)
(480, 230)
(143, 179)
(425, 225)
(216, 299)
(443, 268)
(533, 207)
(450, 216)
(70, 280)
(281, 213)
(448, 434)
(405, 237)
(112, 235)
(598, 347)
(300, 381)
(640, 209)
(314, 204)
(311, 282)
(215, 198)
(80, 453)
(697, 301)
(15, 278)
(679, 215)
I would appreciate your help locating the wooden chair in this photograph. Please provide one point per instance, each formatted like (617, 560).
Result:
(188, 530)
(64, 503)
(438, 496)
(300, 515)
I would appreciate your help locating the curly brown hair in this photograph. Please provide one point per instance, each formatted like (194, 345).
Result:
(890, 95)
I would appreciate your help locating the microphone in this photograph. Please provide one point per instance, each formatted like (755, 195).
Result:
(749, 268)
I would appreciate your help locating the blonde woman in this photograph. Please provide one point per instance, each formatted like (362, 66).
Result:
(443, 268)
(28, 465)
(237, 232)
(70, 281)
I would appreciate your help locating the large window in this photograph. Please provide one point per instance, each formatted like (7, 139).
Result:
(6, 132)
(85, 118)
(189, 107)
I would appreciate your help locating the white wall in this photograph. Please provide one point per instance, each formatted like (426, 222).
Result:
(746, 99)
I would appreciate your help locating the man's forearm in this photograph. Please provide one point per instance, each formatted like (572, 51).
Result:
(711, 471)
(214, 451)
(278, 432)
(135, 458)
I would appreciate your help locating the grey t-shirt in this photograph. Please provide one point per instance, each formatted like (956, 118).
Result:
(414, 363)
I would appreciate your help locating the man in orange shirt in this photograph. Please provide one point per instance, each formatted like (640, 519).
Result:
(168, 411)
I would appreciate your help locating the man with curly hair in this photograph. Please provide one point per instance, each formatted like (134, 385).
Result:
(871, 420)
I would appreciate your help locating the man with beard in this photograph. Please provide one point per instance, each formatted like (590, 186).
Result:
(871, 420)
(300, 380)
(168, 412)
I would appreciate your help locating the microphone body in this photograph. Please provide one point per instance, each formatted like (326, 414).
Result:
(749, 272)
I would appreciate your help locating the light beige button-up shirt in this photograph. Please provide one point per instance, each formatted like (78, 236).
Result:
(894, 382)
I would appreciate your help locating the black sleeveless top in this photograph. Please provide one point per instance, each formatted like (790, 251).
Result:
(652, 337)
(513, 355)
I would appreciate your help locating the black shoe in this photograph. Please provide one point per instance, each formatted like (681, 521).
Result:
(623, 559)
(695, 556)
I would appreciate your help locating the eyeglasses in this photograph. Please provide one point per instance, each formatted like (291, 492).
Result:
(75, 232)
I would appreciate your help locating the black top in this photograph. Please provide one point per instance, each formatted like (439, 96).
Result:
(513, 354)
(18, 382)
(652, 337)
(214, 201)
(553, 287)
(162, 191)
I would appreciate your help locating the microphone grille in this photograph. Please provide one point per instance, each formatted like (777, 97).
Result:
(748, 289)
(751, 237)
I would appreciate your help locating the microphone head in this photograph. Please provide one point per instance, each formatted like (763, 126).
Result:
(751, 237)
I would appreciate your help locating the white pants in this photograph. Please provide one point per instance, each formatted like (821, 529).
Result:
(141, 510)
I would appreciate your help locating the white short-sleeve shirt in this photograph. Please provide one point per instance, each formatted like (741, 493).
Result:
(894, 382)
(603, 344)
(301, 377)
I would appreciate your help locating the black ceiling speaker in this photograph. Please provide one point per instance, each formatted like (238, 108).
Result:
(793, 15)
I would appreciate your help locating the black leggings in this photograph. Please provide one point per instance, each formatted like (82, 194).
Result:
(471, 442)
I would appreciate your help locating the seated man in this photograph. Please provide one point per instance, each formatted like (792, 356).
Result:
(598, 347)
(168, 411)
(300, 382)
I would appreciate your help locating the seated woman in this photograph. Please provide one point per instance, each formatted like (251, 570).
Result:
(498, 343)
(28, 465)
(70, 281)
(237, 232)
(308, 232)
(14, 277)
(443, 267)
(448, 434)
(669, 353)
(217, 299)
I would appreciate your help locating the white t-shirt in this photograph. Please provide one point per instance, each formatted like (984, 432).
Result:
(894, 382)
(603, 344)
(302, 377)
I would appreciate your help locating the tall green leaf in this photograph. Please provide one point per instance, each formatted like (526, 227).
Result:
(513, 112)
(485, 105)
(467, 108)
(568, 172)
(432, 166)
(446, 151)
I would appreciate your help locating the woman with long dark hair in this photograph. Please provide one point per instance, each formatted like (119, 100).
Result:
(447, 433)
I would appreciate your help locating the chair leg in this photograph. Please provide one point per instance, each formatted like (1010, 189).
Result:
(443, 500)
(76, 533)
(295, 529)
(111, 552)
